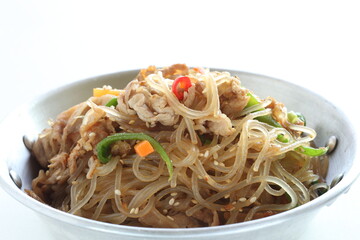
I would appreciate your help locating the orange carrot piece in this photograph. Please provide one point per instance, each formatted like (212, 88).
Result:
(143, 148)
(98, 92)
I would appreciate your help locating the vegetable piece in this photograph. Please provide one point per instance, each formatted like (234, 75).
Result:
(143, 148)
(266, 118)
(269, 120)
(282, 138)
(313, 152)
(295, 117)
(103, 147)
(112, 102)
(252, 101)
(204, 139)
(98, 92)
(199, 70)
(180, 85)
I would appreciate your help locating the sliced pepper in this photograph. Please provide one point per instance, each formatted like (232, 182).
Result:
(112, 102)
(310, 151)
(103, 147)
(181, 85)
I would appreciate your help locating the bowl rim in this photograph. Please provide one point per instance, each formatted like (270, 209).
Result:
(326, 199)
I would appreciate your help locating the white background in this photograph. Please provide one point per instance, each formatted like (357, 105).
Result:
(44, 44)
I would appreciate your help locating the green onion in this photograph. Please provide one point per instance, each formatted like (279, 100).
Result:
(112, 102)
(266, 118)
(103, 147)
(294, 117)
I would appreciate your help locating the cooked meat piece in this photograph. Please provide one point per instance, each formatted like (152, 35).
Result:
(33, 195)
(65, 132)
(62, 135)
(279, 112)
(146, 72)
(92, 132)
(120, 148)
(233, 98)
(219, 125)
(210, 218)
(175, 71)
(184, 221)
(150, 106)
(171, 72)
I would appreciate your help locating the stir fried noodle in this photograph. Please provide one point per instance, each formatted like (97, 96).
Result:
(232, 157)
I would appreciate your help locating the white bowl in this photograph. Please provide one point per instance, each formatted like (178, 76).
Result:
(321, 115)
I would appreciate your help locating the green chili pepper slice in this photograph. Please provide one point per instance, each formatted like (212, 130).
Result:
(112, 102)
(313, 152)
(103, 147)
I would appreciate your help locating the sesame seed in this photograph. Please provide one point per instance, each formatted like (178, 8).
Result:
(74, 182)
(200, 177)
(227, 180)
(253, 199)
(132, 121)
(242, 199)
(176, 204)
(121, 161)
(173, 194)
(222, 164)
(222, 209)
(227, 196)
(194, 201)
(132, 210)
(201, 155)
(136, 210)
(170, 218)
(240, 210)
(216, 163)
(92, 134)
(117, 192)
(165, 211)
(206, 154)
(172, 201)
(233, 203)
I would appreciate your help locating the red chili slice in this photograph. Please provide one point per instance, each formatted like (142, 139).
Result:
(180, 85)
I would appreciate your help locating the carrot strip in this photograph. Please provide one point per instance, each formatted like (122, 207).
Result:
(98, 92)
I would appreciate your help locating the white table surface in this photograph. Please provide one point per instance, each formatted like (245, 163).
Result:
(44, 44)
